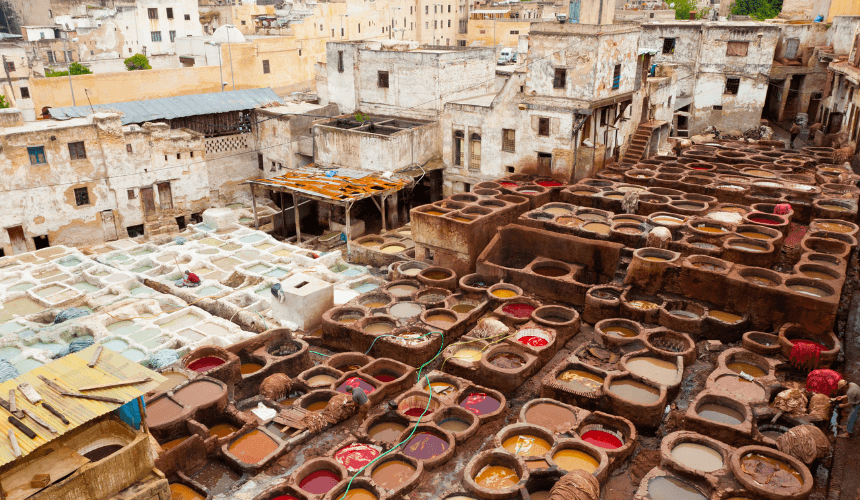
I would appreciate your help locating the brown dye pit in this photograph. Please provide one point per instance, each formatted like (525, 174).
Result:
(441, 318)
(835, 208)
(760, 281)
(665, 219)
(497, 477)
(161, 411)
(321, 380)
(754, 235)
(809, 290)
(834, 227)
(507, 360)
(569, 221)
(459, 219)
(216, 477)
(441, 387)
(182, 492)
(198, 393)
(553, 417)
(597, 227)
(581, 380)
(721, 414)
(402, 290)
(392, 474)
(317, 406)
(669, 488)
(550, 271)
(378, 328)
(526, 446)
(749, 369)
(249, 368)
(712, 229)
(253, 447)
(437, 275)
(454, 425)
(619, 331)
(583, 193)
(628, 230)
(434, 212)
(463, 308)
(570, 460)
(654, 258)
(643, 305)
(698, 457)
(386, 432)
(222, 430)
(749, 247)
(817, 275)
(706, 267)
(724, 316)
(374, 304)
(557, 210)
(616, 196)
(740, 389)
(772, 472)
(653, 369)
(592, 217)
(173, 443)
(632, 390)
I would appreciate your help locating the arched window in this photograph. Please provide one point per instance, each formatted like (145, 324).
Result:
(475, 153)
(458, 147)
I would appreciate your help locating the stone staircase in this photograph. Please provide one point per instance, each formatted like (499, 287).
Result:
(639, 143)
(153, 225)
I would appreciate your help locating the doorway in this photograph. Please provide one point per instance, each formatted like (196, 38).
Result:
(545, 164)
(16, 239)
(773, 99)
(165, 196)
(793, 98)
(108, 225)
(814, 104)
(147, 199)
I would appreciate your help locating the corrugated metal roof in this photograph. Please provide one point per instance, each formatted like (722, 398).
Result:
(71, 372)
(169, 108)
(346, 185)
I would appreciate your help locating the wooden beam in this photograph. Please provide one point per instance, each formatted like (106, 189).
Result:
(284, 215)
(254, 205)
(298, 218)
(119, 383)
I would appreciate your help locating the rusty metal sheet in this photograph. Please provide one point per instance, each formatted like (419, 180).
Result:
(347, 185)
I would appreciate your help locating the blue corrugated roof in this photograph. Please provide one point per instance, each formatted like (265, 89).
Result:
(169, 108)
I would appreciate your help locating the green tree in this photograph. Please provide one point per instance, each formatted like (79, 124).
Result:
(757, 9)
(76, 69)
(137, 62)
(684, 7)
(3, 103)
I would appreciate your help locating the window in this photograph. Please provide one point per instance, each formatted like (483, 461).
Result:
(449, 23)
(156, 36)
(153, 13)
(266, 68)
(128, 149)
(410, 10)
(483, 32)
(434, 24)
(509, 140)
(543, 126)
(178, 156)
(51, 58)
(340, 61)
(135, 231)
(359, 27)
(718, 108)
(560, 79)
(515, 32)
(604, 113)
(82, 196)
(449, 8)
(300, 52)
(244, 22)
(616, 77)
(668, 45)
(68, 55)
(37, 155)
(426, 9)
(435, 9)
(475, 156)
(737, 48)
(10, 66)
(41, 242)
(382, 80)
(187, 17)
(791, 46)
(172, 36)
(169, 13)
(511, 170)
(461, 43)
(458, 148)
(732, 85)
(341, 32)
(25, 93)
(77, 151)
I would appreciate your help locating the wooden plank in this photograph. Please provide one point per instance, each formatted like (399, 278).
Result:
(59, 464)
(118, 383)
(95, 358)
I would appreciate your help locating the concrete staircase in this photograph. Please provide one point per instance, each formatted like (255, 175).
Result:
(154, 225)
(639, 144)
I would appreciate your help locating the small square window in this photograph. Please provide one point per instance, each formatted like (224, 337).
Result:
(172, 36)
(178, 156)
(668, 45)
(153, 13)
(187, 17)
(77, 151)
(131, 194)
(128, 149)
(156, 36)
(560, 79)
(169, 13)
(543, 126)
(383, 80)
(732, 85)
(266, 66)
(244, 23)
(718, 108)
(82, 196)
(10, 66)
(511, 170)
(25, 93)
(37, 155)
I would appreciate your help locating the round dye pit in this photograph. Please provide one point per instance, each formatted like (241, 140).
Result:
(321, 380)
(834, 227)
(698, 457)
(173, 443)
(526, 446)
(385, 377)
(468, 354)
(811, 291)
(386, 432)
(392, 474)
(442, 319)
(635, 391)
(182, 492)
(533, 337)
(748, 247)
(205, 364)
(425, 446)
(771, 471)
(504, 293)
(253, 447)
(550, 416)
(670, 488)
(725, 317)
(438, 275)
(740, 389)
(405, 310)
(507, 360)
(379, 328)
(497, 477)
(557, 210)
(161, 411)
(760, 280)
(754, 235)
(571, 460)
(550, 271)
(249, 368)
(619, 331)
(643, 305)
(581, 380)
(319, 482)
(356, 455)
(222, 430)
(402, 290)
(653, 369)
(358, 494)
(463, 308)
(454, 425)
(198, 393)
(519, 310)
(597, 227)
(721, 414)
(317, 406)
(441, 388)
(480, 403)
(749, 369)
(351, 383)
(602, 439)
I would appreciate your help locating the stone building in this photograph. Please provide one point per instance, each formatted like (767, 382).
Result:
(841, 107)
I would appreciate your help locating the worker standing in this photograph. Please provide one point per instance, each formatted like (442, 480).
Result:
(795, 131)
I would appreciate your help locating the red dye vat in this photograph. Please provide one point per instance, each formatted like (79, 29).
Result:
(508, 184)
(480, 403)
(356, 455)
(416, 412)
(819, 345)
(384, 377)
(319, 482)
(205, 363)
(762, 220)
(602, 439)
(353, 382)
(548, 183)
(519, 310)
(533, 341)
